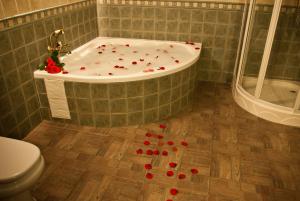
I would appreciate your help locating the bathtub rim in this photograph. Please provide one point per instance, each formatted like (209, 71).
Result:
(41, 74)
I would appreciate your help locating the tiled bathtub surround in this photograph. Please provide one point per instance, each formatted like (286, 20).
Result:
(125, 103)
(216, 25)
(23, 47)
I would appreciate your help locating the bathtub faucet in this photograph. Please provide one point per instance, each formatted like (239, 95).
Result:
(56, 43)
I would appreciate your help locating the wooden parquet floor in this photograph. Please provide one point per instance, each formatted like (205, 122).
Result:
(239, 157)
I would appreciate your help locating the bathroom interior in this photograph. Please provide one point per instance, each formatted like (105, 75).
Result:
(150, 100)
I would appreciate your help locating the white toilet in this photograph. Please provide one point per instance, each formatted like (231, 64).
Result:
(21, 165)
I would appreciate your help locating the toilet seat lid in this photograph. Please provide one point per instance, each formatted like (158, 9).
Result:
(16, 157)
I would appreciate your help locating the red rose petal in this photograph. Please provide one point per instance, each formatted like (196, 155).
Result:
(163, 126)
(127, 45)
(161, 68)
(169, 200)
(197, 48)
(156, 152)
(177, 61)
(135, 51)
(175, 149)
(184, 143)
(146, 142)
(149, 152)
(172, 164)
(103, 45)
(110, 73)
(148, 166)
(194, 171)
(165, 153)
(181, 176)
(99, 52)
(82, 68)
(170, 173)
(173, 191)
(170, 142)
(65, 72)
(148, 134)
(113, 51)
(134, 62)
(160, 136)
(161, 144)
(139, 151)
(149, 175)
(141, 59)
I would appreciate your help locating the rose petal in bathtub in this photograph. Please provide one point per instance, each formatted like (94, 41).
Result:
(120, 59)
(197, 48)
(134, 62)
(110, 73)
(65, 72)
(177, 61)
(161, 68)
(171, 46)
(165, 51)
(127, 45)
(113, 51)
(156, 57)
(82, 68)
(141, 59)
(99, 52)
(135, 51)
(148, 64)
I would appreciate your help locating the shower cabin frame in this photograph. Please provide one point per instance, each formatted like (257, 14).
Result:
(253, 103)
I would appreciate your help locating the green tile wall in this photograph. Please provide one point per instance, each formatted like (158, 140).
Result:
(127, 103)
(22, 48)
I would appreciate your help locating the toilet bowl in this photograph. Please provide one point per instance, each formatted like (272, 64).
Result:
(21, 165)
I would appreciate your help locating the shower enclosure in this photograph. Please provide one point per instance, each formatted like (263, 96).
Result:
(267, 75)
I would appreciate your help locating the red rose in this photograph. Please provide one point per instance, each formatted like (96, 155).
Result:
(156, 152)
(162, 126)
(149, 175)
(165, 153)
(146, 142)
(181, 176)
(148, 134)
(149, 152)
(194, 171)
(173, 191)
(172, 164)
(53, 69)
(184, 143)
(170, 173)
(50, 62)
(139, 151)
(170, 142)
(148, 166)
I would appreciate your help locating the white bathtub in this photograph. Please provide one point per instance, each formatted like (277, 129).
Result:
(108, 60)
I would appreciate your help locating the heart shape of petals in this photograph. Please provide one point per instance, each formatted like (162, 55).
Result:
(161, 144)
(146, 142)
(175, 149)
(170, 142)
(160, 136)
(172, 164)
(163, 126)
(173, 191)
(148, 134)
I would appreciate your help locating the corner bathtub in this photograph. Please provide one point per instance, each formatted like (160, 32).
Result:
(117, 82)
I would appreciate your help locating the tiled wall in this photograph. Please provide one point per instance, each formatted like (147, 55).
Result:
(125, 103)
(216, 25)
(23, 47)
(285, 55)
(9, 8)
